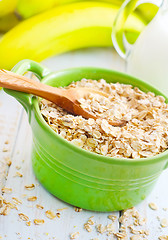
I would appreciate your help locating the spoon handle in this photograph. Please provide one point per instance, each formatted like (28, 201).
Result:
(20, 83)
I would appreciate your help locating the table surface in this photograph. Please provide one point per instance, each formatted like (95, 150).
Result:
(15, 144)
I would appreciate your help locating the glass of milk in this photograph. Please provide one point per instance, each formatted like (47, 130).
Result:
(147, 59)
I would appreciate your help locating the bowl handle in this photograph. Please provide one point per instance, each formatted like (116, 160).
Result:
(20, 68)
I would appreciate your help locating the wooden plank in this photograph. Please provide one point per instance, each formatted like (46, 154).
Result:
(159, 196)
(10, 115)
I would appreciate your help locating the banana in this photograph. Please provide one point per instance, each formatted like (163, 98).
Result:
(7, 22)
(7, 6)
(28, 8)
(64, 28)
(147, 11)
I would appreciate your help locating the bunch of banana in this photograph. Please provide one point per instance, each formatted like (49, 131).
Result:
(28, 8)
(64, 28)
(13, 11)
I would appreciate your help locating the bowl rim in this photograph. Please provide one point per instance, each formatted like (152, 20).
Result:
(94, 156)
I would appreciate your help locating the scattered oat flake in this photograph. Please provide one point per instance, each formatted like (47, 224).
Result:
(8, 160)
(18, 174)
(9, 204)
(18, 167)
(153, 206)
(0, 237)
(23, 217)
(136, 237)
(5, 210)
(100, 228)
(90, 221)
(142, 221)
(163, 237)
(38, 221)
(110, 228)
(87, 227)
(24, 195)
(16, 200)
(146, 232)
(77, 209)
(164, 223)
(74, 235)
(61, 209)
(50, 214)
(112, 217)
(39, 206)
(6, 190)
(120, 235)
(28, 223)
(58, 215)
(30, 186)
(32, 198)
(5, 150)
(1, 201)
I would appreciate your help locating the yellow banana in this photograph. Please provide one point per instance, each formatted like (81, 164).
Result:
(7, 6)
(68, 27)
(28, 8)
(147, 11)
(7, 22)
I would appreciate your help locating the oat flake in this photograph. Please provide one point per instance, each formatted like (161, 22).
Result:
(74, 235)
(144, 134)
(28, 223)
(6, 190)
(77, 209)
(38, 221)
(163, 237)
(30, 186)
(164, 223)
(50, 214)
(153, 206)
(39, 206)
(136, 237)
(23, 217)
(87, 227)
(32, 198)
(16, 200)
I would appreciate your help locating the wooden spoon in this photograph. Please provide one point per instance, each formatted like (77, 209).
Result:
(65, 98)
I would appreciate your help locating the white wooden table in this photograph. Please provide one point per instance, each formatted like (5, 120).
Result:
(15, 143)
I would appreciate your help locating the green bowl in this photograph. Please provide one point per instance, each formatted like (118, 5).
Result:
(76, 176)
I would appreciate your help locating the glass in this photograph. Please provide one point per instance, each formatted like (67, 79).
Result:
(147, 58)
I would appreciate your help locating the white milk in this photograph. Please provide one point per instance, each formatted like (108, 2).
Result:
(148, 59)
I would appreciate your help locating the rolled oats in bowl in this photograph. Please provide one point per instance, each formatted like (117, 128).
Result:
(145, 133)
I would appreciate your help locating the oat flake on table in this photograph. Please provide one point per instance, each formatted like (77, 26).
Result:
(144, 135)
